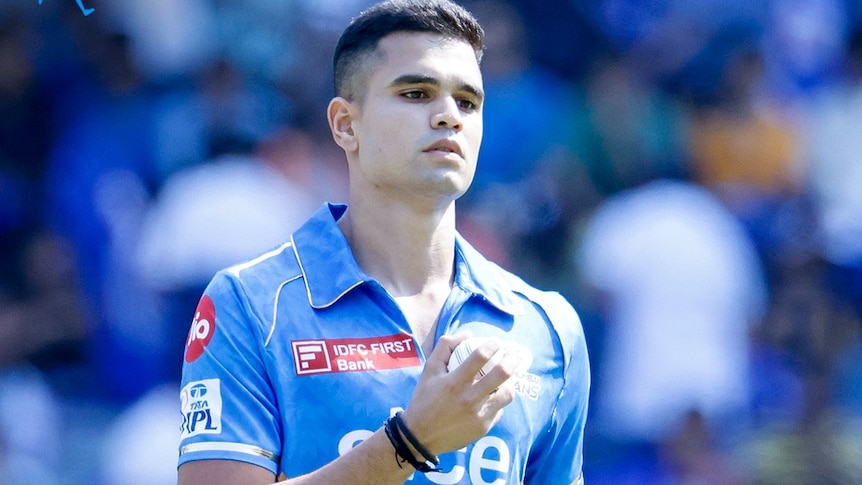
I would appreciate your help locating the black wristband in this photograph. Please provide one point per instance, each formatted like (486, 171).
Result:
(399, 421)
(396, 441)
(394, 427)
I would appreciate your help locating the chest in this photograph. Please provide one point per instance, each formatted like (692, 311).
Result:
(338, 372)
(422, 313)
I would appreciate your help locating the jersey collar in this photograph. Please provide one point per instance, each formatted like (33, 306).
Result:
(484, 279)
(330, 271)
(325, 259)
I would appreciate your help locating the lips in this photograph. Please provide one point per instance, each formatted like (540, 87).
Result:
(447, 146)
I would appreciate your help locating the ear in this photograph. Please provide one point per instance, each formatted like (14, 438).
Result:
(341, 113)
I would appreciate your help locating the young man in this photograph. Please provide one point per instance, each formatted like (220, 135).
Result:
(299, 362)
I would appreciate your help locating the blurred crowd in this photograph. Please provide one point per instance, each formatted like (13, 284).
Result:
(687, 173)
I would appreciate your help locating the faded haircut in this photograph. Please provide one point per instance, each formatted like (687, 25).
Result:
(360, 38)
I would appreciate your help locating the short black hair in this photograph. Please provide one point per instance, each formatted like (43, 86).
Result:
(360, 38)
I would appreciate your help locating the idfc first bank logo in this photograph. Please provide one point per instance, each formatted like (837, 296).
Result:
(85, 11)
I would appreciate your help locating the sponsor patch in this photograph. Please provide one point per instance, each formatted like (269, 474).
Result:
(201, 406)
(528, 385)
(354, 354)
(203, 328)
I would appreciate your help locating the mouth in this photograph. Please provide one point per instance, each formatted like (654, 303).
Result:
(446, 147)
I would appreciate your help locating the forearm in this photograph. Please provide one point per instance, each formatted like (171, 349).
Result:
(372, 462)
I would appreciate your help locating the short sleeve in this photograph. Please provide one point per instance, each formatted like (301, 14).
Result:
(557, 457)
(228, 404)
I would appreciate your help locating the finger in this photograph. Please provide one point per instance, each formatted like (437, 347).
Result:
(444, 348)
(504, 394)
(452, 341)
(494, 407)
(501, 373)
(473, 365)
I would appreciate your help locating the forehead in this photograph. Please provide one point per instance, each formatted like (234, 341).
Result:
(425, 54)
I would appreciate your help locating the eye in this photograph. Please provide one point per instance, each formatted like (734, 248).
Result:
(467, 105)
(414, 94)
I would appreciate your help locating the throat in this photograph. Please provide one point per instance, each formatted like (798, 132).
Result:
(422, 312)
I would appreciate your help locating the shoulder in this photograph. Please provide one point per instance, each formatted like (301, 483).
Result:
(561, 315)
(524, 297)
(254, 284)
(551, 302)
(266, 269)
(566, 329)
(497, 282)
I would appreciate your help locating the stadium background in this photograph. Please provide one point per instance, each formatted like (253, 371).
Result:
(687, 173)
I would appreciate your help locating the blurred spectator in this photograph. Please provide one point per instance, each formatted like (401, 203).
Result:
(746, 149)
(679, 44)
(41, 319)
(826, 451)
(167, 40)
(41, 341)
(214, 215)
(803, 45)
(140, 445)
(679, 286)
(816, 436)
(29, 449)
(639, 131)
(25, 138)
(834, 152)
(561, 37)
(746, 142)
(45, 324)
(105, 122)
(694, 457)
(847, 380)
(218, 109)
(515, 209)
(205, 218)
(226, 211)
(526, 105)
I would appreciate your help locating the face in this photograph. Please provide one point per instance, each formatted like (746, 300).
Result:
(415, 132)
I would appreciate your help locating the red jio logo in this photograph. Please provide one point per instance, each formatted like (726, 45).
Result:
(203, 328)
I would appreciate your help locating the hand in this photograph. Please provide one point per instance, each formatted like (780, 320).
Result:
(449, 410)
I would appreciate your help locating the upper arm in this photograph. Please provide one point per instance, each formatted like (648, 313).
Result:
(228, 403)
(558, 454)
(223, 472)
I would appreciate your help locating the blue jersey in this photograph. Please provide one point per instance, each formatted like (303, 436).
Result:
(295, 357)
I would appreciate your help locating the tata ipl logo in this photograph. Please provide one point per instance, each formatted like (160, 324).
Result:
(201, 407)
(85, 11)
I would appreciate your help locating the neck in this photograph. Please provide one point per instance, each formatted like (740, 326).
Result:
(408, 250)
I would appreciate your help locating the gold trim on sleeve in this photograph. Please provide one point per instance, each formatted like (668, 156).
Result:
(227, 446)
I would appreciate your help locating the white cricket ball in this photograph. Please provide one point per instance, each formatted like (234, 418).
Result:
(465, 348)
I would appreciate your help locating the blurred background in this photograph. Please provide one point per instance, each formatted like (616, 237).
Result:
(688, 174)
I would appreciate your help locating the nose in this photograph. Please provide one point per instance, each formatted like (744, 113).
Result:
(447, 115)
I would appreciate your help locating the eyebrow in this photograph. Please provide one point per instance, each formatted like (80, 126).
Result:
(408, 79)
